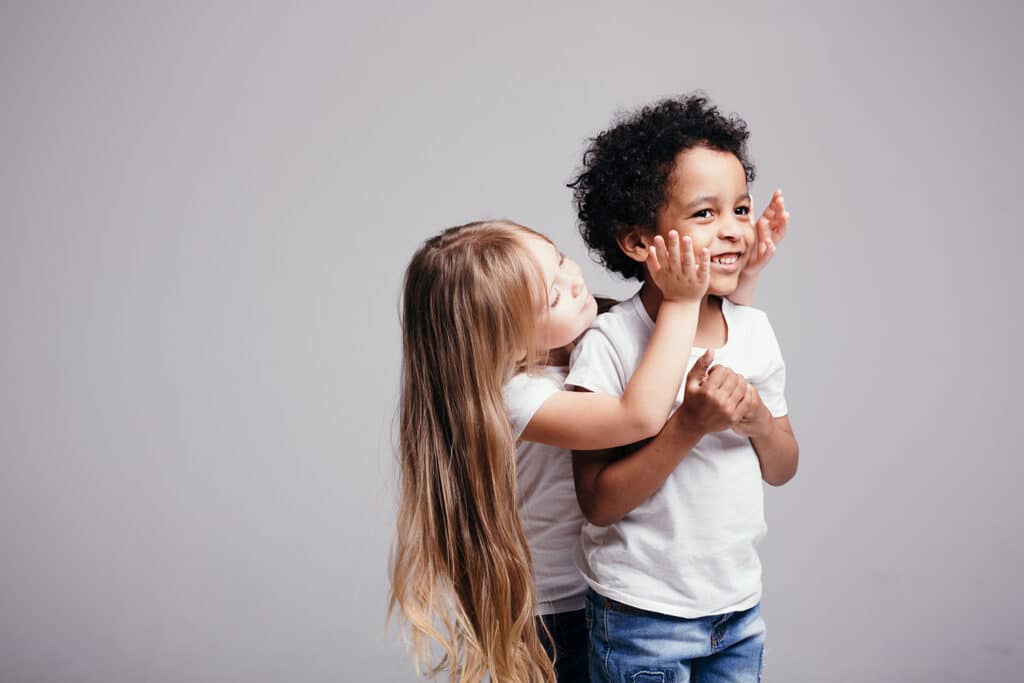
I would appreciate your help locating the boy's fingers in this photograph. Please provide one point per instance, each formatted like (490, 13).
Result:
(745, 403)
(739, 392)
(700, 368)
(717, 376)
(705, 264)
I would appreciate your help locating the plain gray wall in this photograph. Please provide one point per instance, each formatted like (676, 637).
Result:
(206, 212)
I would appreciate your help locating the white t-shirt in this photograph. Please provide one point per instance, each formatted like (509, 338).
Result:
(689, 550)
(548, 509)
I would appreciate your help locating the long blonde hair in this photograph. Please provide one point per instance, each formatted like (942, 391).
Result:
(460, 568)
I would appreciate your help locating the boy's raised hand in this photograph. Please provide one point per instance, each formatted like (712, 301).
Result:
(769, 230)
(675, 270)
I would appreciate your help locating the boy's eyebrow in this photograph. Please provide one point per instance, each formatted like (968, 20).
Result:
(706, 199)
(711, 198)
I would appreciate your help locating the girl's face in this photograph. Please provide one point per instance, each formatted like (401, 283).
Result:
(569, 308)
(708, 200)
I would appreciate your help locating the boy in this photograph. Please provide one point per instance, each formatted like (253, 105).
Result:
(669, 547)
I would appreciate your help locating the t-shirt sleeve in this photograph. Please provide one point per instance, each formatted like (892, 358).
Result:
(524, 395)
(773, 386)
(595, 366)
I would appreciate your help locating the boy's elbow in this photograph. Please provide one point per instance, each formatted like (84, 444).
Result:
(596, 513)
(601, 518)
(785, 474)
(780, 479)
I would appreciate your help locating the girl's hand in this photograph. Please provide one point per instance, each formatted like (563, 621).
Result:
(769, 230)
(676, 274)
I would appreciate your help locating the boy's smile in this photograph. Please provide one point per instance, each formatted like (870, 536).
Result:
(707, 200)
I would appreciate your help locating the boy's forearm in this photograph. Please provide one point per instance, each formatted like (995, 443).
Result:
(778, 453)
(621, 484)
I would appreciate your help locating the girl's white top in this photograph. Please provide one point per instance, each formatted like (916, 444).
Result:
(689, 550)
(548, 509)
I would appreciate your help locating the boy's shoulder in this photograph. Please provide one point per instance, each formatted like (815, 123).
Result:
(751, 326)
(620, 333)
(624, 318)
(743, 314)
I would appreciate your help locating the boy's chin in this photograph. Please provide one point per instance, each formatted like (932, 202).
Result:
(724, 286)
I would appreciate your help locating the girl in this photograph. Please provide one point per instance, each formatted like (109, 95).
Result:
(485, 305)
(483, 302)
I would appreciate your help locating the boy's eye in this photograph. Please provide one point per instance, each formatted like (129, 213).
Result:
(742, 210)
(703, 213)
(555, 295)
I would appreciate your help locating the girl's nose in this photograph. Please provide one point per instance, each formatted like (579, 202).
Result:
(578, 285)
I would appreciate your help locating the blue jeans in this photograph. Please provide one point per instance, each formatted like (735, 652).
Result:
(630, 645)
(569, 631)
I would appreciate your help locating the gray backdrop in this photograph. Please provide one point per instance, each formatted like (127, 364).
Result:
(206, 211)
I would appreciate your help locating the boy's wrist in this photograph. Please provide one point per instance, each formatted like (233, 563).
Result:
(683, 427)
(762, 425)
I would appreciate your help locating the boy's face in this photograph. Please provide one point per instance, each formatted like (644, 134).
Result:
(707, 199)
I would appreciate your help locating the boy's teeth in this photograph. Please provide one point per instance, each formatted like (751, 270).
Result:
(726, 259)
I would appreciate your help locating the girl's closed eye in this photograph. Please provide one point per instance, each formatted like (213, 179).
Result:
(555, 296)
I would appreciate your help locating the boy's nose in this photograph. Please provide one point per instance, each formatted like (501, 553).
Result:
(730, 230)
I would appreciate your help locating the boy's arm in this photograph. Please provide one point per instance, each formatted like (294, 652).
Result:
(769, 230)
(772, 438)
(609, 483)
(765, 419)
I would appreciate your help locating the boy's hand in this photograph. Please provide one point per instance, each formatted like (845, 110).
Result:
(676, 274)
(769, 230)
(712, 399)
(755, 419)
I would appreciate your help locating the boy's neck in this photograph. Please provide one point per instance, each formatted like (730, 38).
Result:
(711, 331)
(560, 357)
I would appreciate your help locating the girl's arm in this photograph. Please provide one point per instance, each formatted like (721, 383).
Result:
(769, 230)
(610, 483)
(585, 421)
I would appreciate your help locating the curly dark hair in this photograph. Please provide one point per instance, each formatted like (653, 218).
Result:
(624, 177)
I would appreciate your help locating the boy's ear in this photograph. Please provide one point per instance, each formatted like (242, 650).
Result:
(635, 243)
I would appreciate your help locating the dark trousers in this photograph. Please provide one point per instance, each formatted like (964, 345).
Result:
(569, 632)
